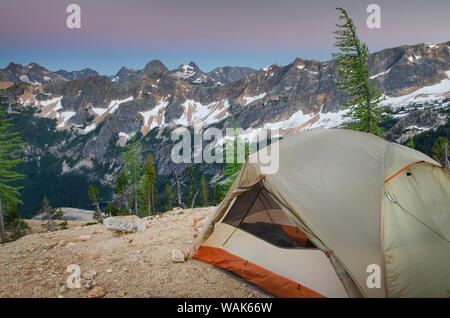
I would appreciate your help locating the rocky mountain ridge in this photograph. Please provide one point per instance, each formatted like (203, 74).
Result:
(32, 74)
(95, 116)
(77, 74)
(299, 93)
(35, 74)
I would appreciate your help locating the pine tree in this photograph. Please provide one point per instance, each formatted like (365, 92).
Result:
(111, 209)
(121, 191)
(217, 194)
(203, 191)
(94, 197)
(50, 214)
(191, 194)
(364, 97)
(233, 168)
(410, 142)
(10, 145)
(15, 224)
(440, 152)
(148, 186)
(155, 200)
(64, 225)
(169, 198)
(133, 168)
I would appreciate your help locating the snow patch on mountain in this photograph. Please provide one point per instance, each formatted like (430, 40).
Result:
(299, 121)
(380, 74)
(24, 78)
(123, 138)
(89, 128)
(65, 116)
(99, 111)
(195, 112)
(154, 117)
(114, 104)
(309, 121)
(414, 58)
(56, 101)
(186, 71)
(251, 99)
(422, 95)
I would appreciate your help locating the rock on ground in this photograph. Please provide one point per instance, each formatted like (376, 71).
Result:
(124, 223)
(178, 256)
(97, 292)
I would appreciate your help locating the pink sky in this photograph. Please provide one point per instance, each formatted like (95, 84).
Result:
(211, 32)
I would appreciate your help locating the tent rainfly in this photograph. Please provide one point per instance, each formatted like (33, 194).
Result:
(341, 205)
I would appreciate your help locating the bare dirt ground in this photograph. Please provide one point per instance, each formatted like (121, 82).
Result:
(132, 265)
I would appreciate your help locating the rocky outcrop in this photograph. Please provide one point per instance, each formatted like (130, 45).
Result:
(72, 214)
(126, 223)
(229, 74)
(153, 68)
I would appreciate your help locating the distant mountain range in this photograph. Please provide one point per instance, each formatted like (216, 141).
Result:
(37, 75)
(94, 116)
(33, 74)
(294, 97)
(77, 74)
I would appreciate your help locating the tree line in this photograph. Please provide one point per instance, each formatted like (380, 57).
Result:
(135, 191)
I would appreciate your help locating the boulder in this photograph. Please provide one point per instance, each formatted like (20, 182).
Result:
(71, 214)
(126, 223)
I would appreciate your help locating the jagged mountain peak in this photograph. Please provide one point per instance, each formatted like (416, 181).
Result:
(124, 69)
(195, 66)
(73, 75)
(191, 73)
(33, 73)
(228, 74)
(13, 66)
(303, 89)
(192, 67)
(155, 66)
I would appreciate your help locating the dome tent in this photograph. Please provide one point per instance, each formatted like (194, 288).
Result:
(340, 202)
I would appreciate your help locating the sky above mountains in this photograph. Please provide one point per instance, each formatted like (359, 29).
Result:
(212, 33)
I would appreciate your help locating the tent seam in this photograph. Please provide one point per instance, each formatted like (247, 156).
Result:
(381, 218)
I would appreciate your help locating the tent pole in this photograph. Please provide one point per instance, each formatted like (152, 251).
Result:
(245, 215)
